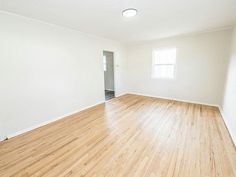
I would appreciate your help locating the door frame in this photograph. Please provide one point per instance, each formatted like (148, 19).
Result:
(114, 70)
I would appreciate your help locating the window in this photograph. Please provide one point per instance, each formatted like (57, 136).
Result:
(163, 64)
(104, 63)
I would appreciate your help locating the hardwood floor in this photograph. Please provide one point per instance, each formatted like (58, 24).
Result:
(129, 136)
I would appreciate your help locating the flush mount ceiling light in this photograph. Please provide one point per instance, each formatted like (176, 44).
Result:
(131, 12)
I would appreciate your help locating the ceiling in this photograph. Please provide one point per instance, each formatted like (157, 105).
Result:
(155, 19)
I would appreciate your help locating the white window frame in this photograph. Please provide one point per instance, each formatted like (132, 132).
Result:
(153, 64)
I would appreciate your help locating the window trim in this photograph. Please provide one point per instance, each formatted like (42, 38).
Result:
(153, 64)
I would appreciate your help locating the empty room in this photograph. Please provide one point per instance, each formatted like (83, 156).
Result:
(117, 88)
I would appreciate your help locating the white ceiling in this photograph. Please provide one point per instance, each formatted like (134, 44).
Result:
(155, 19)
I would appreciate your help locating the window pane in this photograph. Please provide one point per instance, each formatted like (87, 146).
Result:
(163, 71)
(105, 67)
(104, 59)
(165, 56)
(104, 63)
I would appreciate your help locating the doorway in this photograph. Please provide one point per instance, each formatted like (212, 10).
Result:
(108, 67)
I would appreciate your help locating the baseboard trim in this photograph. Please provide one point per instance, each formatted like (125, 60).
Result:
(2, 135)
(2, 139)
(122, 94)
(233, 138)
(110, 90)
(228, 127)
(175, 99)
(134, 93)
(50, 121)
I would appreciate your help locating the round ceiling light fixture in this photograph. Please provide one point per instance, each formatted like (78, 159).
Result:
(131, 12)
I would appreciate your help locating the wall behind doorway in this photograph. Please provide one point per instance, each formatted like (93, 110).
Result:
(109, 73)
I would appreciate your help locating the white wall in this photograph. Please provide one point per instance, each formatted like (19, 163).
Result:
(229, 103)
(109, 73)
(201, 67)
(47, 71)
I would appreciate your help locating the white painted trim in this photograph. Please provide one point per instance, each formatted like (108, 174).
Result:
(56, 25)
(175, 99)
(2, 138)
(153, 64)
(50, 121)
(116, 96)
(135, 93)
(114, 71)
(2, 135)
(202, 32)
(228, 125)
(109, 90)
(187, 101)
(121, 94)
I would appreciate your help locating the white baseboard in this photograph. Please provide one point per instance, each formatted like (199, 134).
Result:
(175, 99)
(228, 125)
(11, 135)
(110, 90)
(121, 94)
(135, 93)
(49, 121)
(2, 135)
(2, 138)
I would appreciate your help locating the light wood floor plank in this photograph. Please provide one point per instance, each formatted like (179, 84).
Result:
(129, 136)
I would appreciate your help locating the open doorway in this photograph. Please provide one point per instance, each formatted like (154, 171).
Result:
(108, 66)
